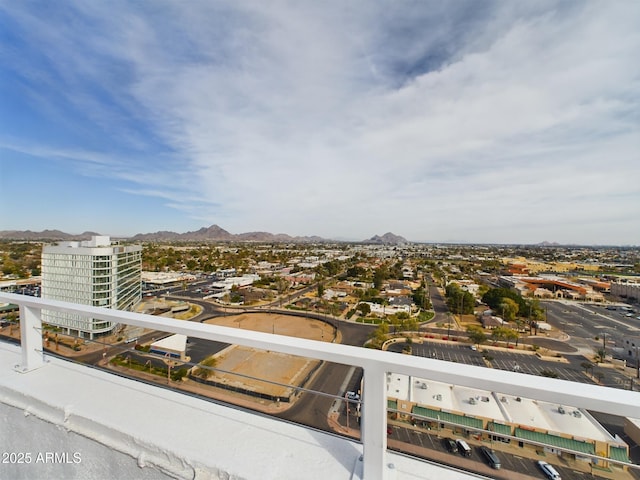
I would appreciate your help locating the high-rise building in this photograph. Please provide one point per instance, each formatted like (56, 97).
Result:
(93, 272)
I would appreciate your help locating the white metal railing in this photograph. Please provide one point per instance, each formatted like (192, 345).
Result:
(375, 365)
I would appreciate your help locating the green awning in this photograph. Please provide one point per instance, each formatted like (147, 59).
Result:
(8, 307)
(618, 453)
(556, 441)
(499, 428)
(447, 417)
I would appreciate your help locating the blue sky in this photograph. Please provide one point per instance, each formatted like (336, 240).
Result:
(466, 121)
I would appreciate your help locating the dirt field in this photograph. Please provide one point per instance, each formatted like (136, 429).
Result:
(269, 366)
(299, 327)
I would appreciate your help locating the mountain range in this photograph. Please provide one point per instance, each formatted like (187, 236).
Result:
(43, 235)
(214, 233)
(218, 234)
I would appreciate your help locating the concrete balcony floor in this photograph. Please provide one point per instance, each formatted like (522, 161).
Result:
(79, 422)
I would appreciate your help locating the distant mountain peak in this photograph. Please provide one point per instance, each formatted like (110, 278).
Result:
(387, 239)
(44, 235)
(547, 244)
(214, 233)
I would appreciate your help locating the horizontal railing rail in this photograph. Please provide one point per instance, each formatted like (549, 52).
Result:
(375, 364)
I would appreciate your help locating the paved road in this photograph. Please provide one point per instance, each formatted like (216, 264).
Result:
(313, 409)
(593, 326)
(439, 305)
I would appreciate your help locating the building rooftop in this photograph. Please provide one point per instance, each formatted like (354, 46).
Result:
(500, 407)
(175, 342)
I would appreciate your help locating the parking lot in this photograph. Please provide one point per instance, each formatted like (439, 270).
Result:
(431, 440)
(532, 365)
(502, 360)
(451, 353)
(567, 367)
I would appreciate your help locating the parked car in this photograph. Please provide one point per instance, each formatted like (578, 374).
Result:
(353, 396)
(550, 472)
(464, 448)
(491, 457)
(450, 445)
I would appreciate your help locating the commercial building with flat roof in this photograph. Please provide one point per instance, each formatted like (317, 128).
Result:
(93, 273)
(627, 289)
(556, 429)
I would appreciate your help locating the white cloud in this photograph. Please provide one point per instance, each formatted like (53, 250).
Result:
(470, 122)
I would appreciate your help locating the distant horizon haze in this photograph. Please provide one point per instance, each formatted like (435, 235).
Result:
(324, 238)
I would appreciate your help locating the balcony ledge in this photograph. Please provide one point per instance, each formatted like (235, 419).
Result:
(163, 433)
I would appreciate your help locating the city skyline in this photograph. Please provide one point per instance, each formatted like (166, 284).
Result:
(475, 122)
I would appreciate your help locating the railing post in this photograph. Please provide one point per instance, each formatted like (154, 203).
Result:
(374, 422)
(30, 339)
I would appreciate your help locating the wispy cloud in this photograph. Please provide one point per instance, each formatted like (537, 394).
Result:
(474, 121)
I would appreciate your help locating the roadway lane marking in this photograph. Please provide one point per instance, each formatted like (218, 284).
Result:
(338, 404)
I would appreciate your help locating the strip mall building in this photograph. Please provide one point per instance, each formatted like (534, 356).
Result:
(539, 426)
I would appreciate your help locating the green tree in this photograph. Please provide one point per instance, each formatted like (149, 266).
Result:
(282, 285)
(192, 264)
(500, 333)
(476, 334)
(356, 272)
(495, 296)
(364, 309)
(409, 324)
(402, 321)
(379, 276)
(533, 310)
(459, 301)
(509, 309)
(421, 298)
(205, 368)
(379, 335)
(511, 335)
(370, 293)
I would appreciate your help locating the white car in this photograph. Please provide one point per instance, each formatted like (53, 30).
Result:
(548, 470)
(353, 396)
